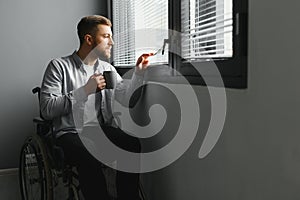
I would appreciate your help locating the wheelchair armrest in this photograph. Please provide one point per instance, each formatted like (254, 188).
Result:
(43, 127)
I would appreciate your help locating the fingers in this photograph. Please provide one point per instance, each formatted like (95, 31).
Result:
(100, 81)
(96, 74)
(139, 60)
(143, 59)
(145, 62)
(95, 83)
(147, 54)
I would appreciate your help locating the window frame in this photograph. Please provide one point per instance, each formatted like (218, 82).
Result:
(233, 70)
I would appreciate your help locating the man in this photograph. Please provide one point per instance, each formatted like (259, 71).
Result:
(72, 88)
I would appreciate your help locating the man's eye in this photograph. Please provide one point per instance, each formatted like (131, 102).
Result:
(106, 35)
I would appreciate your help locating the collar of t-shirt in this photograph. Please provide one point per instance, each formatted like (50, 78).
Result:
(90, 70)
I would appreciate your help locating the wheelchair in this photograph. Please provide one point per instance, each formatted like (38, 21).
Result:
(41, 166)
(42, 170)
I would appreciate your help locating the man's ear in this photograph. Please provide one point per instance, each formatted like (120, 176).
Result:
(88, 39)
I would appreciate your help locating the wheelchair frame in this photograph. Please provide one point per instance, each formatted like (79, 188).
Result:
(41, 166)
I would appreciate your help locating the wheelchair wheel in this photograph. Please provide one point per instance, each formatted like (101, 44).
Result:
(34, 172)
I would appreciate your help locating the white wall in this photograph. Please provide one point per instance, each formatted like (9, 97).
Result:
(32, 32)
(258, 154)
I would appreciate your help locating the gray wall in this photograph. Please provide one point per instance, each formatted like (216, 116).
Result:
(258, 154)
(32, 32)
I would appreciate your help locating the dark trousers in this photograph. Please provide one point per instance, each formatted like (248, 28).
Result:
(91, 177)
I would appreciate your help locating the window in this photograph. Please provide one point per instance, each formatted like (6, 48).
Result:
(139, 26)
(210, 31)
(206, 27)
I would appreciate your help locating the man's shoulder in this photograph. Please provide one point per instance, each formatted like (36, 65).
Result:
(65, 61)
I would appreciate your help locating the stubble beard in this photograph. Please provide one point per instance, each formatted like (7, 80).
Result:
(104, 54)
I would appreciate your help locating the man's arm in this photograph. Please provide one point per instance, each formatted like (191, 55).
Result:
(124, 92)
(53, 103)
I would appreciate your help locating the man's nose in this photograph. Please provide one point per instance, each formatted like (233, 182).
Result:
(111, 41)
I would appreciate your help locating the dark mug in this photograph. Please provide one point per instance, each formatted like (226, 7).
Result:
(110, 79)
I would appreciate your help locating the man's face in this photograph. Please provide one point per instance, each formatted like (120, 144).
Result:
(102, 41)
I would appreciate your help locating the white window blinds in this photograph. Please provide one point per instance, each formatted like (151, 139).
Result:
(123, 25)
(140, 26)
(206, 29)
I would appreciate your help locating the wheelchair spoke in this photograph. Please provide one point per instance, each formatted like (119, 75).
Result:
(33, 181)
(32, 175)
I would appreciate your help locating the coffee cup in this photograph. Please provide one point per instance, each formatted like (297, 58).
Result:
(110, 79)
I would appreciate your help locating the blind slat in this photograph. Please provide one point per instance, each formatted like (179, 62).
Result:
(220, 33)
(184, 45)
(209, 27)
(225, 17)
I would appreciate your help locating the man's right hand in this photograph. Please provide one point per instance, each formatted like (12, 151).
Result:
(95, 83)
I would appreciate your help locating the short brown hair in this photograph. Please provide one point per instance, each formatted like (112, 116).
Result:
(88, 25)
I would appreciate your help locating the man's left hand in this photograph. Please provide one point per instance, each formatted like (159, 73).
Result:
(142, 62)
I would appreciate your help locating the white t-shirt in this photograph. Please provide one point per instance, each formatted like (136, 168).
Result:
(90, 112)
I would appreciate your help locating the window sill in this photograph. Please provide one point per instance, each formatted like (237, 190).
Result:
(164, 74)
